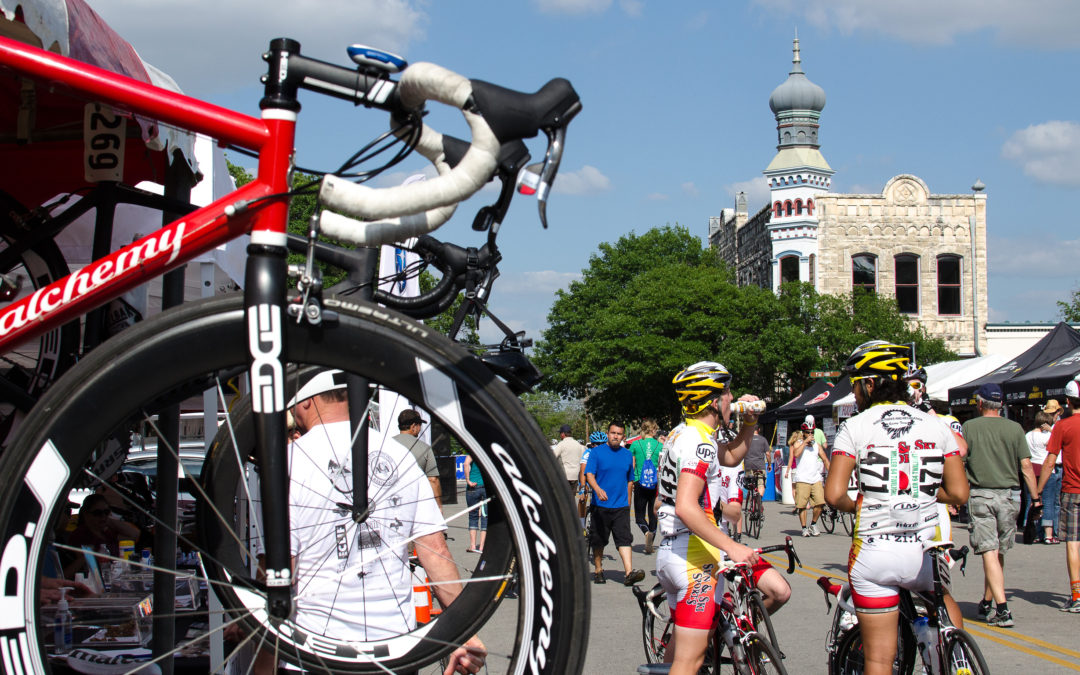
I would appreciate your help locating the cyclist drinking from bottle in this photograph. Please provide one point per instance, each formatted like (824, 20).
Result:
(906, 462)
(689, 488)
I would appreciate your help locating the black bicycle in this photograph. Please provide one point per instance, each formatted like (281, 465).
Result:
(753, 507)
(924, 627)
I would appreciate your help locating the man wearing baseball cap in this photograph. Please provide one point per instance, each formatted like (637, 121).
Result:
(1065, 440)
(996, 448)
(327, 543)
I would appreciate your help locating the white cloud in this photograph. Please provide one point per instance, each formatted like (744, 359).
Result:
(174, 34)
(1047, 24)
(572, 6)
(1048, 152)
(690, 189)
(585, 181)
(544, 282)
(1032, 256)
(657, 197)
(757, 193)
(632, 8)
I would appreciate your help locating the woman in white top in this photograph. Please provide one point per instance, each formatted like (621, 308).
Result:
(1036, 439)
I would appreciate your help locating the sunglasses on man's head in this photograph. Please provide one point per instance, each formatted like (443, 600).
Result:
(915, 384)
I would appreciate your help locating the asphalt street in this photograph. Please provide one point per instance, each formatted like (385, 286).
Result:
(1044, 639)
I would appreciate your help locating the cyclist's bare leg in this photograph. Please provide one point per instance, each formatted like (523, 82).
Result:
(691, 653)
(879, 641)
(775, 589)
(955, 615)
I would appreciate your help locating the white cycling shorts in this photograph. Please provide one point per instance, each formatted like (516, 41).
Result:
(686, 567)
(881, 565)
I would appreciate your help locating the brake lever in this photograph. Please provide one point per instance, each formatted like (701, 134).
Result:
(792, 556)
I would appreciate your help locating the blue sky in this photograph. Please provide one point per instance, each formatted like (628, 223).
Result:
(676, 116)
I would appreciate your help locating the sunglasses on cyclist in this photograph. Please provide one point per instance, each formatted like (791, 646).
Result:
(915, 384)
(99, 512)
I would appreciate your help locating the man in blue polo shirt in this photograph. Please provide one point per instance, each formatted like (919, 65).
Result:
(610, 474)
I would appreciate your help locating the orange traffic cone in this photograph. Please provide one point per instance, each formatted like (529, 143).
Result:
(422, 601)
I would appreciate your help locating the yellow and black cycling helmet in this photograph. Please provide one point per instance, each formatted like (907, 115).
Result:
(699, 384)
(879, 358)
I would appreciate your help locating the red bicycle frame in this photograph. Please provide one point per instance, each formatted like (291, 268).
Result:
(181, 240)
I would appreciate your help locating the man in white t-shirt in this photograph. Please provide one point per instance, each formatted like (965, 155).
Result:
(810, 460)
(354, 582)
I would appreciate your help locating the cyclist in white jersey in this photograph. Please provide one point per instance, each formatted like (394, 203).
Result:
(689, 487)
(906, 462)
(354, 581)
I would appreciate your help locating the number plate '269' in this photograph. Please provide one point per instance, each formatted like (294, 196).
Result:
(104, 132)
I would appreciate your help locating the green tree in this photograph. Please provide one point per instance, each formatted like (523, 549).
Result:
(551, 412)
(1070, 310)
(650, 305)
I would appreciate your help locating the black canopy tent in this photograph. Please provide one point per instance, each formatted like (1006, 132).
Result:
(1045, 382)
(1061, 340)
(817, 400)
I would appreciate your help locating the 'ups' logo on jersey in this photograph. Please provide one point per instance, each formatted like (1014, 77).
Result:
(706, 452)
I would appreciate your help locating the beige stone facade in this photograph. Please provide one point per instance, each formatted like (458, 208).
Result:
(906, 218)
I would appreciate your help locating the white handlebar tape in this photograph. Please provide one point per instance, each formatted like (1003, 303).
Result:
(423, 81)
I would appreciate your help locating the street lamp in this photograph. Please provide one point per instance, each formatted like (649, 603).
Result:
(976, 188)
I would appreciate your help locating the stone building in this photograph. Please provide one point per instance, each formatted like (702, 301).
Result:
(905, 242)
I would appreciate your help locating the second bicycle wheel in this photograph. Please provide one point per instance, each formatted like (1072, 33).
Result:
(849, 660)
(762, 621)
(963, 656)
(533, 544)
(828, 519)
(761, 658)
(657, 628)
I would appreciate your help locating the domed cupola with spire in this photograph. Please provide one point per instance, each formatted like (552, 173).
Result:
(797, 104)
(798, 175)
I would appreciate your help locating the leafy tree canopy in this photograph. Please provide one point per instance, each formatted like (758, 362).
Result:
(1070, 310)
(649, 305)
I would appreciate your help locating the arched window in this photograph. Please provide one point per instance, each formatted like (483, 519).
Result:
(789, 268)
(864, 272)
(778, 210)
(949, 274)
(787, 207)
(907, 283)
(798, 207)
(809, 207)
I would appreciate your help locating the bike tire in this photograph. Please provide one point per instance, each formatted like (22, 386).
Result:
(762, 621)
(848, 658)
(32, 366)
(187, 350)
(828, 519)
(757, 516)
(761, 657)
(848, 521)
(656, 633)
(962, 655)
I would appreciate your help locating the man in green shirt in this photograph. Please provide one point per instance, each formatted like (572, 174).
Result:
(996, 448)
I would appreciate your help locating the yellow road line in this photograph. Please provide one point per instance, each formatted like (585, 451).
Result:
(985, 635)
(979, 629)
(1020, 637)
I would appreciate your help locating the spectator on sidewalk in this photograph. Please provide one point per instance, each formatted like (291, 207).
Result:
(646, 454)
(1065, 441)
(610, 473)
(810, 460)
(1037, 439)
(568, 452)
(996, 449)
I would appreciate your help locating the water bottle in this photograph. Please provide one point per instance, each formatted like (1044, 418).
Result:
(105, 567)
(62, 624)
(926, 636)
(755, 407)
